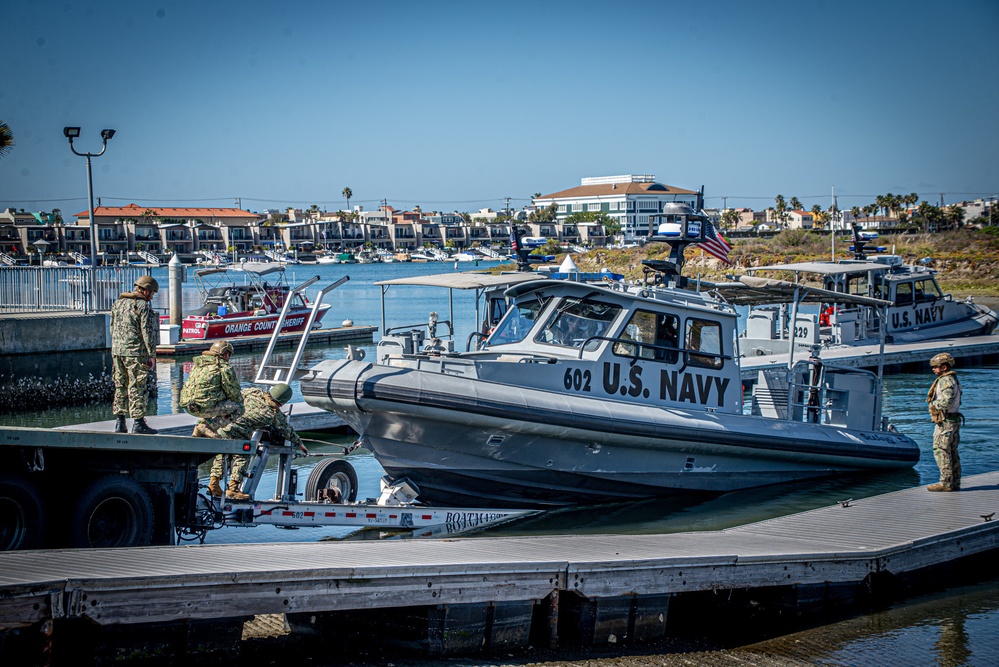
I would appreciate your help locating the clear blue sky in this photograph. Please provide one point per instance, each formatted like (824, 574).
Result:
(457, 105)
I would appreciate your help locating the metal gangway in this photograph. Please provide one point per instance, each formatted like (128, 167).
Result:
(33, 289)
(148, 257)
(268, 373)
(438, 254)
(7, 259)
(489, 252)
(79, 257)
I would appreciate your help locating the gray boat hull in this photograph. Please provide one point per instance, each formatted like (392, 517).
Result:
(463, 440)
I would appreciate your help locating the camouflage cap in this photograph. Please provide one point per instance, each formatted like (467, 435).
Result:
(147, 282)
(220, 347)
(281, 393)
(941, 359)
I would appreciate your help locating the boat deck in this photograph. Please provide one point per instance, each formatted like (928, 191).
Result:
(967, 351)
(900, 532)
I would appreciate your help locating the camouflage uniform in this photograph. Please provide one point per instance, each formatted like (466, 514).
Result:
(133, 343)
(258, 414)
(944, 399)
(212, 391)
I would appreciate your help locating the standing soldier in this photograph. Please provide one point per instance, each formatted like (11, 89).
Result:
(260, 411)
(133, 353)
(944, 399)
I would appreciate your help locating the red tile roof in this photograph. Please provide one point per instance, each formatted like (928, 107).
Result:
(136, 211)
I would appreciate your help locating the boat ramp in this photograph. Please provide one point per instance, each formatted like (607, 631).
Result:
(465, 595)
(301, 416)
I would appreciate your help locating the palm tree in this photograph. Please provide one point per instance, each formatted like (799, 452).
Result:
(780, 210)
(6, 138)
(347, 194)
(818, 216)
(795, 204)
(855, 212)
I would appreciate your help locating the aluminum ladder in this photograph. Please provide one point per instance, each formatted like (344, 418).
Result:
(269, 373)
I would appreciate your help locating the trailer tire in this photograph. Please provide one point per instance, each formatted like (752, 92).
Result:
(114, 511)
(22, 515)
(330, 473)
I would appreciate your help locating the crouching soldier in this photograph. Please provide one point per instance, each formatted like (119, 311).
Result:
(212, 390)
(261, 411)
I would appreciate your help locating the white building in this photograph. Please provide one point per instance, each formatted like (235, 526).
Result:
(631, 199)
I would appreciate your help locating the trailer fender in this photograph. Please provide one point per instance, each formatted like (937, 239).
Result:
(22, 515)
(113, 511)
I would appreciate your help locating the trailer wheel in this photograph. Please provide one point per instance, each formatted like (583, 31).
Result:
(114, 511)
(22, 516)
(329, 474)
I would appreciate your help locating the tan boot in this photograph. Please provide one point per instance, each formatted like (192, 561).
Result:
(233, 493)
(215, 488)
(938, 487)
(198, 431)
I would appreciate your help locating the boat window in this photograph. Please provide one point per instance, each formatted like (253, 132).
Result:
(927, 290)
(658, 333)
(497, 308)
(516, 323)
(575, 320)
(703, 336)
(903, 294)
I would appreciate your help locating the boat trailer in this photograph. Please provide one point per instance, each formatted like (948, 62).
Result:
(331, 489)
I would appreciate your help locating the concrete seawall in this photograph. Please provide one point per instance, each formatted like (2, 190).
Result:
(53, 332)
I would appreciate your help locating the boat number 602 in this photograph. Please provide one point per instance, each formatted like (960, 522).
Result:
(577, 379)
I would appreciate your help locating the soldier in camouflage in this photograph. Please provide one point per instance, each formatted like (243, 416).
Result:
(133, 353)
(212, 390)
(260, 411)
(944, 403)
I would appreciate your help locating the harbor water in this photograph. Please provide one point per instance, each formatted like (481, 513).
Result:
(359, 300)
(904, 403)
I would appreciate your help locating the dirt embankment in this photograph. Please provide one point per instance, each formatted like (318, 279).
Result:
(966, 261)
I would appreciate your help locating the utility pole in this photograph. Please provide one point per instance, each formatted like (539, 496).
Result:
(239, 203)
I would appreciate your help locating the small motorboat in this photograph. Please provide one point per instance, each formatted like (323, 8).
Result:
(244, 302)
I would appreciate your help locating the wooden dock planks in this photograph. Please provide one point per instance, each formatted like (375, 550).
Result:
(896, 532)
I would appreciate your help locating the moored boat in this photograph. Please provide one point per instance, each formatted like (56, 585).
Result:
(913, 307)
(233, 310)
(590, 392)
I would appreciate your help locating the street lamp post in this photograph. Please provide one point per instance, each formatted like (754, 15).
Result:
(72, 133)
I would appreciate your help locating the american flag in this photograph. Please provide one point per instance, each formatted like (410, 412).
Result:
(714, 243)
(513, 239)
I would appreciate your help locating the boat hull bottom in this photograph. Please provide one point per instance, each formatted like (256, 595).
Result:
(513, 486)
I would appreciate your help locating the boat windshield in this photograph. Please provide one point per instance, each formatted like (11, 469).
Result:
(575, 320)
(516, 323)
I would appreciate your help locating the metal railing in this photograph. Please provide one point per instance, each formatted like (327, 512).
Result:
(34, 289)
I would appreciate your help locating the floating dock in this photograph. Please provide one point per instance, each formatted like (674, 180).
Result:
(320, 336)
(471, 594)
(900, 357)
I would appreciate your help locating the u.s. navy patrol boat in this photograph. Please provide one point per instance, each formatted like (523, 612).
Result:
(917, 309)
(591, 392)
